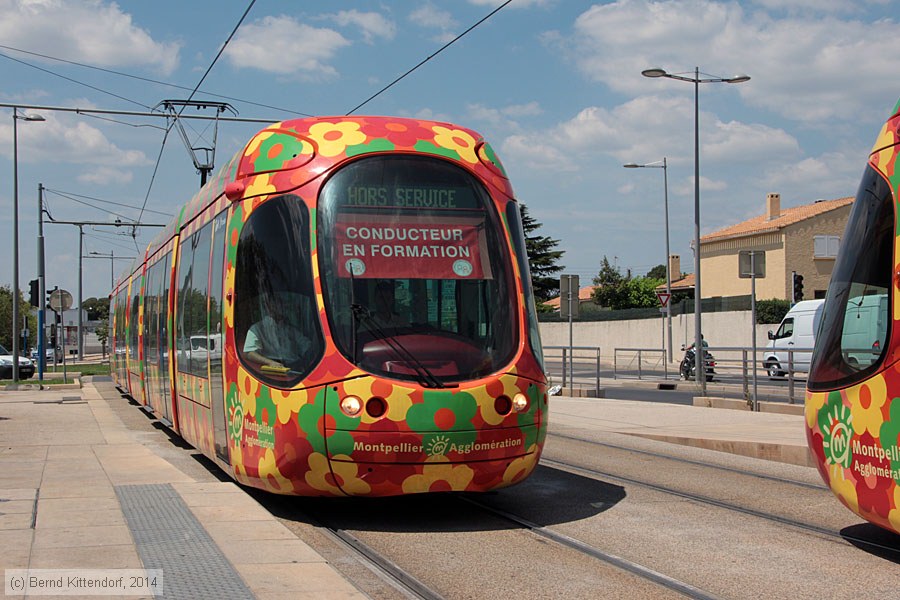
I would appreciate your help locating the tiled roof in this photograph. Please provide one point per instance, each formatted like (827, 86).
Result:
(678, 285)
(788, 216)
(584, 295)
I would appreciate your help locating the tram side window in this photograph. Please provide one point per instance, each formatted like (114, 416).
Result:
(133, 324)
(276, 322)
(216, 276)
(164, 320)
(193, 283)
(514, 215)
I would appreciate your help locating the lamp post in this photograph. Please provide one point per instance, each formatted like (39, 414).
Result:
(15, 236)
(700, 372)
(665, 167)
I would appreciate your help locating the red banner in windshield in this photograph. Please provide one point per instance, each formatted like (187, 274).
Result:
(408, 250)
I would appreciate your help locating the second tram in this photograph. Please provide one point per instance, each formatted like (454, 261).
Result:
(853, 397)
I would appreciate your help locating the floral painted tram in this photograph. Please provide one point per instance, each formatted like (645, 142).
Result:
(853, 397)
(344, 309)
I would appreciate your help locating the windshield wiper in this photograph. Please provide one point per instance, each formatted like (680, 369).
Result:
(426, 377)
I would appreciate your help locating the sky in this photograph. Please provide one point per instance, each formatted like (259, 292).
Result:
(554, 85)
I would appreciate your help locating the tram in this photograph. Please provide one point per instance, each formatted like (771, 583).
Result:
(345, 309)
(853, 396)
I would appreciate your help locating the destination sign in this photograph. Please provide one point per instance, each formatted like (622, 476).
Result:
(401, 249)
(400, 196)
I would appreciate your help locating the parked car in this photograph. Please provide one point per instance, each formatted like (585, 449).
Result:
(26, 367)
(48, 352)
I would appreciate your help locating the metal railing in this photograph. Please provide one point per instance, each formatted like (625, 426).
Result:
(585, 358)
(646, 362)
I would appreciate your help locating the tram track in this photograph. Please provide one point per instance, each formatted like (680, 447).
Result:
(778, 519)
(617, 561)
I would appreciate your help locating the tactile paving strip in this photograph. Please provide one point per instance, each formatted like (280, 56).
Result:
(169, 537)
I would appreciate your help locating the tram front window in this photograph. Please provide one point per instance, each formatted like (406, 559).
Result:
(415, 271)
(853, 334)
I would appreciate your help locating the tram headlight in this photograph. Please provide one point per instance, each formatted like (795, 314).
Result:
(520, 402)
(351, 406)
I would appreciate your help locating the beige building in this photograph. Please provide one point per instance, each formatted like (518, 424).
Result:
(804, 239)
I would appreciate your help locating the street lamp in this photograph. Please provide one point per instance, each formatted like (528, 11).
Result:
(15, 299)
(665, 167)
(700, 372)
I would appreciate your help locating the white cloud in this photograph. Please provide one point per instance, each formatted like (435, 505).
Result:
(514, 3)
(90, 31)
(63, 140)
(106, 176)
(285, 46)
(428, 15)
(372, 24)
(648, 128)
(802, 66)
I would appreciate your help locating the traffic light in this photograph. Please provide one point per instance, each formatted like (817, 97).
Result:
(798, 287)
(35, 292)
(50, 296)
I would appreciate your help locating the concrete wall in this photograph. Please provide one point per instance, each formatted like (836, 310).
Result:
(724, 329)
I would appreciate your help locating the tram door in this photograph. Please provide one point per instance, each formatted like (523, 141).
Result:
(215, 337)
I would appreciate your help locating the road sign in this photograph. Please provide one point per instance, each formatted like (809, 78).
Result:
(569, 302)
(663, 298)
(60, 300)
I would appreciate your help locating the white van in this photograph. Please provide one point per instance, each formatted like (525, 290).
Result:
(797, 331)
(865, 329)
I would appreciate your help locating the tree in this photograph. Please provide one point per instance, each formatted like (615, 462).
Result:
(609, 283)
(618, 291)
(25, 312)
(659, 272)
(542, 259)
(97, 309)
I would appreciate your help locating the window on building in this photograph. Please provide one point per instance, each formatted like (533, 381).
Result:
(826, 246)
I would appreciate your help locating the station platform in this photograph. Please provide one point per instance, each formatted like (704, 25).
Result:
(78, 490)
(767, 435)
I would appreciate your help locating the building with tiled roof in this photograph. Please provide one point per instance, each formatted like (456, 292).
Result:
(584, 296)
(802, 239)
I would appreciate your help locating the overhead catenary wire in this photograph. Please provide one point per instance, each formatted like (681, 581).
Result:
(154, 81)
(441, 49)
(70, 195)
(75, 81)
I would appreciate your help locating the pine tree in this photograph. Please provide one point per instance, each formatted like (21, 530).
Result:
(542, 259)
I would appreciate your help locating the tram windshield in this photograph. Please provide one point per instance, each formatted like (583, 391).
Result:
(415, 270)
(855, 324)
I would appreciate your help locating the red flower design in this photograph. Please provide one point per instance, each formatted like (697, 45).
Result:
(403, 133)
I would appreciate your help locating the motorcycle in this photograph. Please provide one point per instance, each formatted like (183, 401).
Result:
(688, 366)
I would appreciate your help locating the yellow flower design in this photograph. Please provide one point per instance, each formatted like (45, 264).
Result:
(894, 515)
(866, 401)
(254, 144)
(320, 475)
(458, 140)
(248, 389)
(814, 403)
(521, 468)
(288, 403)
(271, 476)
(259, 185)
(445, 475)
(333, 138)
(842, 487)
